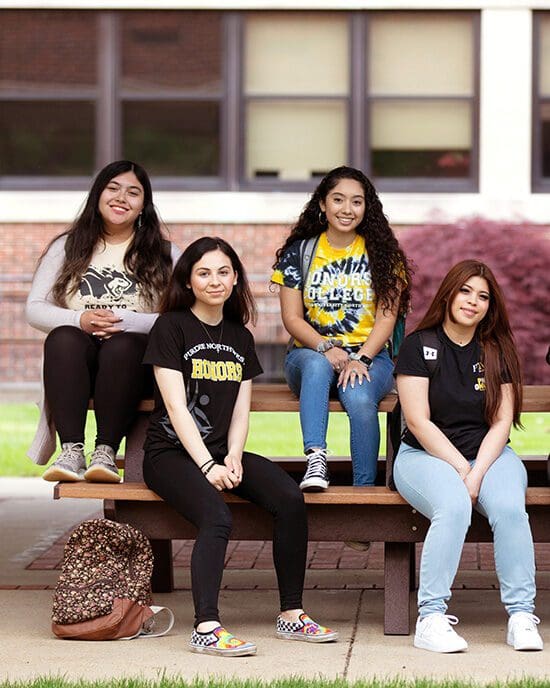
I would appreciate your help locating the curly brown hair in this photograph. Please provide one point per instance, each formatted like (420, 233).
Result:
(391, 271)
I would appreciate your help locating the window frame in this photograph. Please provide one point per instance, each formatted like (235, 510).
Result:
(539, 183)
(233, 102)
(431, 184)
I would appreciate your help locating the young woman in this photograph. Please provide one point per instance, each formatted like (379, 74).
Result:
(341, 315)
(95, 293)
(455, 453)
(204, 361)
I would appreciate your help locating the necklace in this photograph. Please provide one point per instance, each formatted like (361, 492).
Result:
(216, 345)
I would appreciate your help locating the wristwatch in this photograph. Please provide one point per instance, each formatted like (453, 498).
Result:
(365, 360)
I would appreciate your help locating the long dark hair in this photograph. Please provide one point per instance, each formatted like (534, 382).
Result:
(147, 258)
(239, 307)
(390, 269)
(499, 352)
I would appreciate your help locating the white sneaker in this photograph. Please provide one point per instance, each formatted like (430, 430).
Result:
(434, 632)
(523, 633)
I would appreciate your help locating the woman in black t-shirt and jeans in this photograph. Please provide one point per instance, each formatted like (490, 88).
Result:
(204, 361)
(455, 453)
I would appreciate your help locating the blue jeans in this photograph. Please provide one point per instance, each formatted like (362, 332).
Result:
(312, 378)
(434, 488)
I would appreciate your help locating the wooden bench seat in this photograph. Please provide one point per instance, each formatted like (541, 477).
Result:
(340, 494)
(341, 513)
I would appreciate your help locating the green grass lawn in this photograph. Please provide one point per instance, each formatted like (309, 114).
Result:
(272, 434)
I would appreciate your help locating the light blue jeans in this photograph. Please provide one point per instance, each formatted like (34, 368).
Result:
(312, 378)
(434, 488)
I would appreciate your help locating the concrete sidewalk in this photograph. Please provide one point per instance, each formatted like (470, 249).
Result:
(349, 600)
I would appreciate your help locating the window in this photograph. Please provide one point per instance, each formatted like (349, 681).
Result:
(420, 76)
(171, 88)
(296, 93)
(48, 89)
(242, 100)
(541, 109)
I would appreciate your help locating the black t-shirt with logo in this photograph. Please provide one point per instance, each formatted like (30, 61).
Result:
(213, 362)
(456, 393)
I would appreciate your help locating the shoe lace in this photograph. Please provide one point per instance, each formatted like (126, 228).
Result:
(525, 618)
(316, 463)
(443, 622)
(72, 451)
(103, 456)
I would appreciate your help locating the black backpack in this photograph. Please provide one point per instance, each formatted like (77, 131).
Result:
(431, 349)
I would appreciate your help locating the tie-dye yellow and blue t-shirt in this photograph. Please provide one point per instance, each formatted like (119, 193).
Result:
(339, 299)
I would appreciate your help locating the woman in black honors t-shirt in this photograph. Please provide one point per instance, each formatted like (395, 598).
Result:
(455, 453)
(204, 361)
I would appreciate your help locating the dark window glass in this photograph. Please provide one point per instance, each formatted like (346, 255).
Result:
(43, 138)
(172, 138)
(545, 126)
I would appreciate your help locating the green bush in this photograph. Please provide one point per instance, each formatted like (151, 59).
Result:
(518, 254)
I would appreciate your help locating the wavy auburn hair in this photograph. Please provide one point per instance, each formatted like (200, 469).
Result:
(147, 257)
(240, 307)
(390, 270)
(498, 348)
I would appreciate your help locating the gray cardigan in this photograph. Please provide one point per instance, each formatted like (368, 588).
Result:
(43, 314)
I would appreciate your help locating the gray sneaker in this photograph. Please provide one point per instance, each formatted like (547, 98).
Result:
(102, 466)
(69, 465)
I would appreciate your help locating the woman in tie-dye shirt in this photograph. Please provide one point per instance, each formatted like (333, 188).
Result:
(340, 311)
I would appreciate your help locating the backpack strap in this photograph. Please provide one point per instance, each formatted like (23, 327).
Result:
(146, 631)
(307, 251)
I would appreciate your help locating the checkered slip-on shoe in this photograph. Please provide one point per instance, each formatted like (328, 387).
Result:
(304, 629)
(220, 642)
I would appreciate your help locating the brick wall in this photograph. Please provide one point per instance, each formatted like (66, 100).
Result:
(22, 244)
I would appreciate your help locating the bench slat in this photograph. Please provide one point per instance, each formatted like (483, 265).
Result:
(345, 494)
(278, 397)
(536, 398)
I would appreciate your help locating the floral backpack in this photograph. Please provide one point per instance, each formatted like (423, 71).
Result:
(104, 590)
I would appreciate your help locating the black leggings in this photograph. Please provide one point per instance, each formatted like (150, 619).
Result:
(175, 477)
(78, 366)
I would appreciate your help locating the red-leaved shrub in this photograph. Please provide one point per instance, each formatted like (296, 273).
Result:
(518, 254)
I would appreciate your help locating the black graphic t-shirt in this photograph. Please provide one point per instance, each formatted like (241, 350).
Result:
(456, 393)
(213, 363)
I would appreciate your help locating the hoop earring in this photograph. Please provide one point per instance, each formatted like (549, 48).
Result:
(322, 218)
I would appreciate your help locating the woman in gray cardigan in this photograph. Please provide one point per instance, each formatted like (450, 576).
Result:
(95, 293)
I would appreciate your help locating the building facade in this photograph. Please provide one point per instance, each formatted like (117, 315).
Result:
(238, 108)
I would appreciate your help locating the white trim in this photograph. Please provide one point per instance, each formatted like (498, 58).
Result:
(45, 207)
(505, 103)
